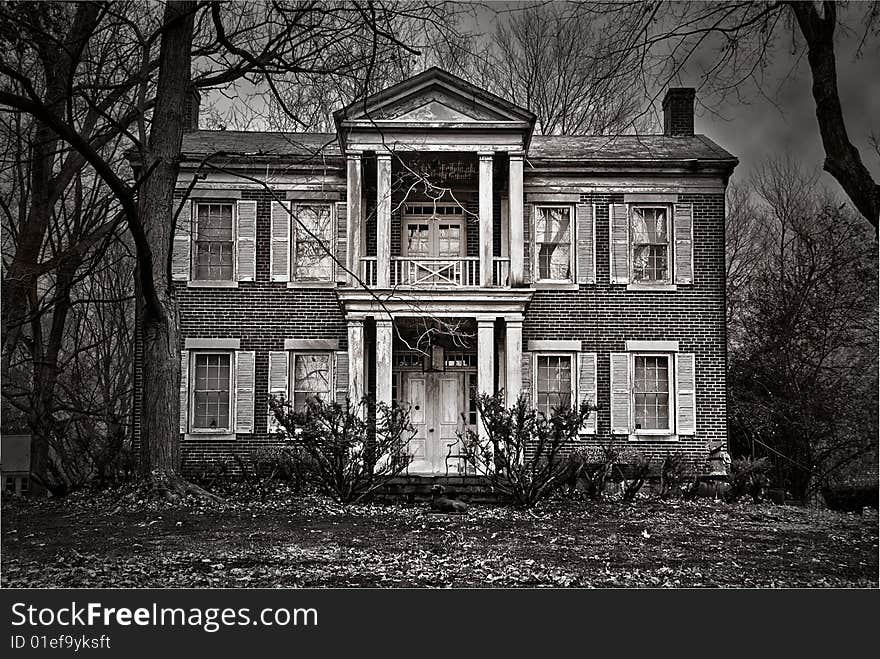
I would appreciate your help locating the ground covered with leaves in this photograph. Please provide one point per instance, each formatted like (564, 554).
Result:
(270, 538)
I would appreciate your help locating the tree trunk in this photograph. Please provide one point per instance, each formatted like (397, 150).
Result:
(842, 159)
(160, 440)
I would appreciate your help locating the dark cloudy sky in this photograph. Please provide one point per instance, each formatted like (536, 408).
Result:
(757, 130)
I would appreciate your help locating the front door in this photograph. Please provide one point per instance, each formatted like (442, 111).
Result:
(436, 403)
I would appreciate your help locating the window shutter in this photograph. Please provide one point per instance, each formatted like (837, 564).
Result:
(528, 230)
(184, 390)
(279, 254)
(244, 391)
(279, 363)
(247, 240)
(586, 244)
(686, 393)
(341, 242)
(683, 218)
(527, 377)
(587, 387)
(620, 393)
(618, 232)
(341, 377)
(181, 249)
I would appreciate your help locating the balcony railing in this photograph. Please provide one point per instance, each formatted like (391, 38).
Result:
(429, 272)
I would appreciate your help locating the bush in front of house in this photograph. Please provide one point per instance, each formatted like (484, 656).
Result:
(677, 474)
(522, 453)
(345, 455)
(749, 477)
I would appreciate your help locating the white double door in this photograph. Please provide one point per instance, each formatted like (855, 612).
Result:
(437, 401)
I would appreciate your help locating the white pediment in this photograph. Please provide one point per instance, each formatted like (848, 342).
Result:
(433, 111)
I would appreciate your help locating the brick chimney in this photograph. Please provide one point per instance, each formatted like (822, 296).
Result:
(678, 111)
(191, 110)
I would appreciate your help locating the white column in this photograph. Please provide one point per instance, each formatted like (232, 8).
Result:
(515, 219)
(383, 220)
(485, 361)
(513, 358)
(486, 263)
(384, 341)
(356, 361)
(355, 214)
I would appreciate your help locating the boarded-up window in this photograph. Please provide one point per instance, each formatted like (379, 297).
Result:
(314, 234)
(211, 392)
(553, 228)
(650, 244)
(311, 378)
(215, 242)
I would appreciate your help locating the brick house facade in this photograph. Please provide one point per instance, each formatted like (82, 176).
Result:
(462, 254)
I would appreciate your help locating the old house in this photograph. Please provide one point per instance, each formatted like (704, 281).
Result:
(433, 247)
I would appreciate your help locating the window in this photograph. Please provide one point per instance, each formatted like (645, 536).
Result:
(652, 400)
(554, 386)
(472, 399)
(212, 391)
(553, 232)
(650, 244)
(311, 378)
(313, 230)
(215, 256)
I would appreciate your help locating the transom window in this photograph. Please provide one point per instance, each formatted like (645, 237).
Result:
(652, 377)
(215, 242)
(311, 378)
(313, 230)
(554, 380)
(211, 392)
(553, 232)
(650, 244)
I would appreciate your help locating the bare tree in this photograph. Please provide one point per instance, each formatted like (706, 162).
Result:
(803, 371)
(732, 42)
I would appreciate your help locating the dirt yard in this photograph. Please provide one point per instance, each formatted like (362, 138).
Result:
(282, 541)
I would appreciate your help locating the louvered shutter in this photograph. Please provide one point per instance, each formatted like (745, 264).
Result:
(527, 377)
(620, 393)
(618, 232)
(587, 387)
(244, 391)
(341, 377)
(686, 394)
(341, 242)
(247, 240)
(528, 231)
(182, 247)
(683, 219)
(279, 250)
(586, 243)
(279, 364)
(184, 390)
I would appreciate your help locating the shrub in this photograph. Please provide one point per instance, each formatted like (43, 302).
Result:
(638, 469)
(676, 475)
(287, 464)
(521, 453)
(348, 455)
(749, 477)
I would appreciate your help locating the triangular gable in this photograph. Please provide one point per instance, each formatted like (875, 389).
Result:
(435, 96)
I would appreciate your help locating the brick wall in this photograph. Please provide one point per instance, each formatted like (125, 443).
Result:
(603, 317)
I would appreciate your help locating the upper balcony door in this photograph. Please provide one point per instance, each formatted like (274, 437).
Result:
(433, 248)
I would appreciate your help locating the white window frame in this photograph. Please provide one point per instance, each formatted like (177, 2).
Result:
(670, 244)
(432, 220)
(228, 430)
(572, 356)
(291, 369)
(670, 360)
(194, 249)
(572, 244)
(294, 237)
